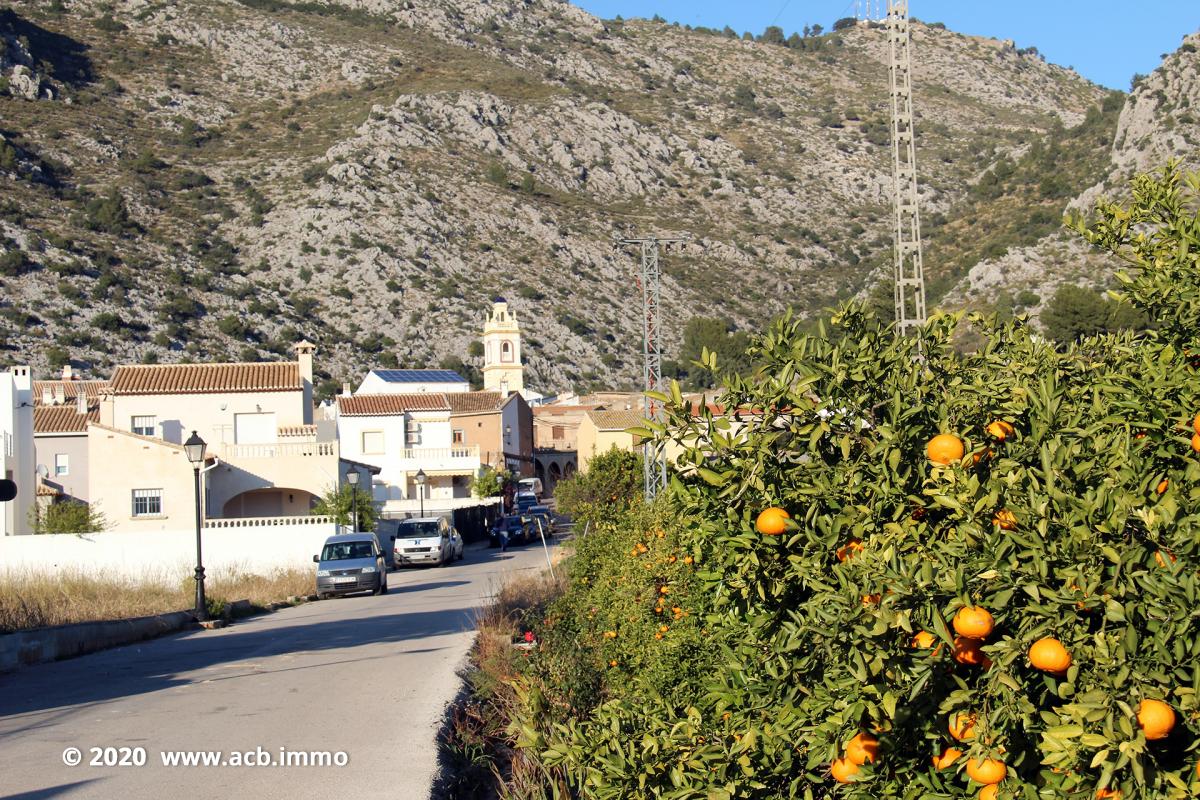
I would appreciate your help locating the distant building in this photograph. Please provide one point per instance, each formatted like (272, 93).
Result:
(503, 370)
(60, 435)
(501, 427)
(412, 381)
(600, 431)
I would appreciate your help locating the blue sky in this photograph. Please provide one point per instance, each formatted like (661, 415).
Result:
(1106, 41)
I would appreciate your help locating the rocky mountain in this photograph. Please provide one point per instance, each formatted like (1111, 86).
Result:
(220, 178)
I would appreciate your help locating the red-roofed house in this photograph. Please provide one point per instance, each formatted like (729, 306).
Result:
(60, 437)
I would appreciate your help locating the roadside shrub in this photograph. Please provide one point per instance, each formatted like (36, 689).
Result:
(612, 483)
(1068, 508)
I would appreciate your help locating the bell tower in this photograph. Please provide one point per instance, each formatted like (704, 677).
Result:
(502, 368)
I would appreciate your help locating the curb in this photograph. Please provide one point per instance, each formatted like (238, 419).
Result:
(67, 641)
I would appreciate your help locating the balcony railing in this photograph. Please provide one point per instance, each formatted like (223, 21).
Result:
(440, 453)
(268, 522)
(234, 452)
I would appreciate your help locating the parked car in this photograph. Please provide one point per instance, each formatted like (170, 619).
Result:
(351, 562)
(524, 501)
(426, 540)
(544, 517)
(531, 485)
(509, 529)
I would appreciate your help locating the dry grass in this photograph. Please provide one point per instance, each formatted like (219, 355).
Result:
(37, 600)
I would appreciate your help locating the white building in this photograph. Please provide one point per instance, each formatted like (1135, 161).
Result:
(412, 381)
(403, 434)
(16, 439)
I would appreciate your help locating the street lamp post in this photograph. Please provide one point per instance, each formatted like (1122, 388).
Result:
(421, 477)
(194, 447)
(352, 479)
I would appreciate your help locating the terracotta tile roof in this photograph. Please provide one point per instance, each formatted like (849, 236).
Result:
(68, 389)
(616, 420)
(280, 376)
(376, 405)
(64, 419)
(475, 402)
(47, 491)
(563, 411)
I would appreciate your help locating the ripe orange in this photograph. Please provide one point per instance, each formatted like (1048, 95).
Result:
(772, 521)
(1049, 655)
(869, 600)
(1108, 794)
(1162, 486)
(946, 449)
(1162, 562)
(1196, 442)
(862, 748)
(923, 640)
(1196, 423)
(1005, 520)
(1000, 430)
(843, 769)
(987, 771)
(962, 726)
(966, 651)
(989, 792)
(849, 550)
(974, 622)
(1156, 718)
(947, 758)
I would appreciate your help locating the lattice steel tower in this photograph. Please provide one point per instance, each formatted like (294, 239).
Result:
(654, 459)
(909, 266)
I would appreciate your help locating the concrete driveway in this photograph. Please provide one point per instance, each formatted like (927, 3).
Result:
(361, 680)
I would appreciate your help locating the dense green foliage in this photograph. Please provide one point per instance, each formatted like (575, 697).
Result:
(808, 642)
(491, 482)
(337, 502)
(67, 517)
(1075, 312)
(702, 334)
(612, 483)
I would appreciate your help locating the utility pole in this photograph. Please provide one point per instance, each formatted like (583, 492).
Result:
(654, 460)
(909, 266)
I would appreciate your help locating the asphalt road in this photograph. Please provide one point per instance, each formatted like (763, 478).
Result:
(365, 676)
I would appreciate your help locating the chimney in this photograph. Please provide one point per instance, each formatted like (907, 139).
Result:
(346, 392)
(81, 403)
(304, 355)
(68, 374)
(60, 395)
(47, 396)
(107, 411)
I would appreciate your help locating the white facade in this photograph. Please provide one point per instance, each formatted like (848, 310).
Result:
(503, 370)
(406, 381)
(16, 441)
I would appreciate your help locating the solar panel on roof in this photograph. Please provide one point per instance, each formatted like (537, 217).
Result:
(420, 376)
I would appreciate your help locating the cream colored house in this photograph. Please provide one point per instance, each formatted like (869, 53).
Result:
(267, 458)
(600, 431)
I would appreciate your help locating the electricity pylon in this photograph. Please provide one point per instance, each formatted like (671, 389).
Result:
(654, 459)
(909, 265)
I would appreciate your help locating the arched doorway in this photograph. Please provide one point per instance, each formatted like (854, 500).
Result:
(273, 502)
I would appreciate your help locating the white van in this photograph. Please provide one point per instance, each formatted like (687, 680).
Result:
(533, 485)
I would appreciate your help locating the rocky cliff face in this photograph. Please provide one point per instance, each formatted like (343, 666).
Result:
(231, 175)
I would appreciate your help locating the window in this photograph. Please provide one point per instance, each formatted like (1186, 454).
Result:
(147, 502)
(372, 441)
(62, 464)
(145, 426)
(506, 351)
(458, 436)
(557, 432)
(412, 436)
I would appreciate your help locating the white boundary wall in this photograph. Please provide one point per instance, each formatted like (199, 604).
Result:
(170, 555)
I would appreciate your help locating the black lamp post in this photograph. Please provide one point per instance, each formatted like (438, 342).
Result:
(352, 479)
(421, 477)
(194, 447)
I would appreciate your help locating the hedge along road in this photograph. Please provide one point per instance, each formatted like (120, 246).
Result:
(365, 676)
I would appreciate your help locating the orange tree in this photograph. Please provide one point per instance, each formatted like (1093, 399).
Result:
(881, 647)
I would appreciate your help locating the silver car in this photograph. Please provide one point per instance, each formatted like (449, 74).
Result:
(351, 562)
(426, 540)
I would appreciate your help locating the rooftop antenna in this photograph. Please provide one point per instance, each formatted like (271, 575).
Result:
(909, 265)
(653, 457)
